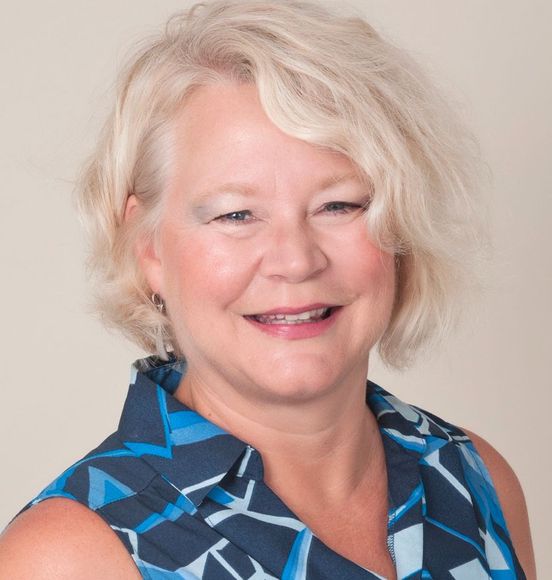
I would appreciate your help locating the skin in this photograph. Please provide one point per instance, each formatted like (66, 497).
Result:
(512, 501)
(255, 220)
(291, 398)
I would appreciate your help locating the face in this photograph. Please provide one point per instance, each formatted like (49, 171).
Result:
(268, 272)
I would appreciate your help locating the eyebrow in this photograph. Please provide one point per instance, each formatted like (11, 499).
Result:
(334, 180)
(243, 189)
(230, 188)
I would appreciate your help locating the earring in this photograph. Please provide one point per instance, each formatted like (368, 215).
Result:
(158, 302)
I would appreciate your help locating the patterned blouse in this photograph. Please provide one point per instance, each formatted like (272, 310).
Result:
(188, 500)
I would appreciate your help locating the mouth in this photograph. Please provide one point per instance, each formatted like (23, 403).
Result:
(310, 316)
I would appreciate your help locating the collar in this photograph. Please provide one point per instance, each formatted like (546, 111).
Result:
(194, 455)
(190, 452)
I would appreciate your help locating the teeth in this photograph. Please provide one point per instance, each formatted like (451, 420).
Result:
(301, 318)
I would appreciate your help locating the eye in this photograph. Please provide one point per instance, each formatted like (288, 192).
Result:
(341, 207)
(236, 217)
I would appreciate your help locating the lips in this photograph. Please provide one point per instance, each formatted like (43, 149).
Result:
(307, 322)
(294, 316)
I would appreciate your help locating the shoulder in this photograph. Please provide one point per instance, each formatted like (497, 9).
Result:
(60, 538)
(512, 501)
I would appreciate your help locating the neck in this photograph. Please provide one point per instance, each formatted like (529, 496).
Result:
(325, 446)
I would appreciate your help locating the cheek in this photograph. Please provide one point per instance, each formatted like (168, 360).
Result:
(374, 275)
(371, 267)
(205, 269)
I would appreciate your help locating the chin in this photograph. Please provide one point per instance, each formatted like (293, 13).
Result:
(297, 382)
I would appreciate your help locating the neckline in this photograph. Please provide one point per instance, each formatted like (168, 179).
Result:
(174, 439)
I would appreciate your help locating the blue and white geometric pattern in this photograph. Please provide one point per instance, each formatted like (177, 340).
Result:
(188, 499)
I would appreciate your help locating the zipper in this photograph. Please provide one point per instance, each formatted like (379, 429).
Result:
(390, 527)
(391, 547)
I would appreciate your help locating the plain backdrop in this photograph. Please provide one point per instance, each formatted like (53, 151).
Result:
(64, 377)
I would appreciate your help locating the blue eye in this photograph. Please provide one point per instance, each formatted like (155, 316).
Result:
(235, 216)
(341, 207)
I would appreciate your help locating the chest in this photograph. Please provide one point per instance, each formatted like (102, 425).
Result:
(360, 536)
(358, 531)
(363, 549)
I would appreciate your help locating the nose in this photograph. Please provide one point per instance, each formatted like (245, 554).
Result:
(292, 253)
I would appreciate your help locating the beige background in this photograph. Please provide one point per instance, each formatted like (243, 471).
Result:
(64, 378)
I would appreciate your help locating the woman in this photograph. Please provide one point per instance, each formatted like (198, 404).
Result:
(278, 192)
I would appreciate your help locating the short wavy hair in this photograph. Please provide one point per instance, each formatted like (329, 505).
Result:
(325, 78)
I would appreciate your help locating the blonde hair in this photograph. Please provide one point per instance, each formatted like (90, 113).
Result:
(328, 80)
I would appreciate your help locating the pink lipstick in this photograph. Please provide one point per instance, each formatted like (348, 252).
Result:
(296, 323)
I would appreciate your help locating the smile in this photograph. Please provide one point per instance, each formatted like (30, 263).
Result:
(296, 323)
(309, 316)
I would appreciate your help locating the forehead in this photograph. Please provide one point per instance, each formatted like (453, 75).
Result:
(223, 133)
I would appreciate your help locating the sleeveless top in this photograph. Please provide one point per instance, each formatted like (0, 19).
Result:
(188, 500)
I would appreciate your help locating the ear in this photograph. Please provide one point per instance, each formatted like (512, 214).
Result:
(145, 251)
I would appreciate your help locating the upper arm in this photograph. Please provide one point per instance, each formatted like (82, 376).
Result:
(512, 502)
(61, 539)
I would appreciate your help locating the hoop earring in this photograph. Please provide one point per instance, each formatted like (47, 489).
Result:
(158, 302)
